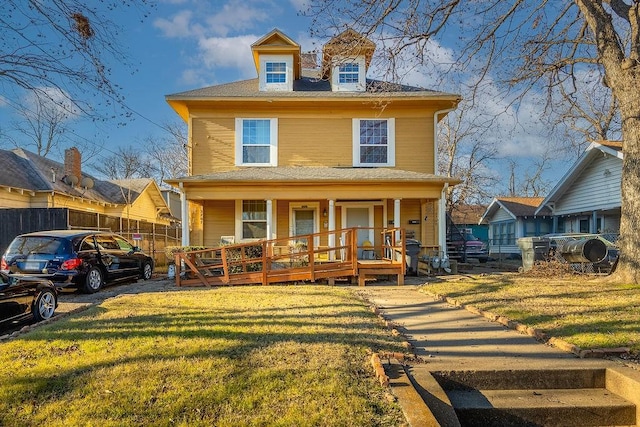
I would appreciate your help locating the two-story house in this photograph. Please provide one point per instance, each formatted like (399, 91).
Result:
(304, 148)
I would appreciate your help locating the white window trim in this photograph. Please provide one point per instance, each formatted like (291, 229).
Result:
(239, 222)
(273, 142)
(391, 143)
(287, 86)
(360, 86)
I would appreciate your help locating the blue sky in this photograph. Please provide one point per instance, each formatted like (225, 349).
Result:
(187, 44)
(182, 45)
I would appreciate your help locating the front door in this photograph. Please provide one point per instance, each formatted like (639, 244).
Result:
(360, 217)
(304, 222)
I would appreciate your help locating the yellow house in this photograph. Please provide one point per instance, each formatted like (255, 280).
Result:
(37, 193)
(304, 149)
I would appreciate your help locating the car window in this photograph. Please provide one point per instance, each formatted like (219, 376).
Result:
(123, 244)
(107, 242)
(37, 245)
(87, 244)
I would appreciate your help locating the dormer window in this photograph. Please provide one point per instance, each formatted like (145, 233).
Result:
(349, 74)
(276, 73)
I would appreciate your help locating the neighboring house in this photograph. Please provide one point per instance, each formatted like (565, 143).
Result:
(305, 148)
(511, 218)
(587, 199)
(469, 218)
(172, 199)
(39, 194)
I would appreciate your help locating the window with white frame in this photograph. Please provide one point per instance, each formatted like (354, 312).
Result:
(276, 72)
(254, 219)
(373, 142)
(256, 142)
(349, 73)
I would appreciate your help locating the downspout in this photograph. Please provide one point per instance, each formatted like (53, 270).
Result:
(184, 209)
(442, 205)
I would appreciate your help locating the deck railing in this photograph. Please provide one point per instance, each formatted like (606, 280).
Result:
(295, 258)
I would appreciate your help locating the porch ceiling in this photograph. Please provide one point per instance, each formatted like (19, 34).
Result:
(313, 182)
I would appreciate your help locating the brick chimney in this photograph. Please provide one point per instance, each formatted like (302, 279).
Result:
(72, 160)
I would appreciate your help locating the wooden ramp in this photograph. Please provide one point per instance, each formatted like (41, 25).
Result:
(295, 259)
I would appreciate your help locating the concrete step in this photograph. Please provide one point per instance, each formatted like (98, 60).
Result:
(541, 407)
(522, 379)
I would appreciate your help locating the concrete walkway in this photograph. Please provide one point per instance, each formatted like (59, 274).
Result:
(449, 338)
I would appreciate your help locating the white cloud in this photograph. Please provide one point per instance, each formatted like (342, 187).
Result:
(178, 26)
(236, 15)
(229, 52)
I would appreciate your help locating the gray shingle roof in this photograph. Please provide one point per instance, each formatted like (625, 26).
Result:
(29, 171)
(315, 174)
(307, 87)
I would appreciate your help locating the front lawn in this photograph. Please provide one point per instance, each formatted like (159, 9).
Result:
(582, 310)
(290, 356)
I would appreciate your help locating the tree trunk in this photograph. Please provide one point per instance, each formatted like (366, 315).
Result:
(628, 270)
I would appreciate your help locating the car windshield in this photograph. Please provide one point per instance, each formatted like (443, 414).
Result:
(37, 245)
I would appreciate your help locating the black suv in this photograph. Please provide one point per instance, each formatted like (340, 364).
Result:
(84, 259)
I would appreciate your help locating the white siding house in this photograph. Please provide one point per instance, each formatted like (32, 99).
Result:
(587, 199)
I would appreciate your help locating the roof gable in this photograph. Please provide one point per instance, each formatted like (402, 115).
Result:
(594, 151)
(516, 207)
(277, 42)
(349, 43)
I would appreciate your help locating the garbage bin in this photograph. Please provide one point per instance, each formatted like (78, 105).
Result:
(412, 250)
(533, 249)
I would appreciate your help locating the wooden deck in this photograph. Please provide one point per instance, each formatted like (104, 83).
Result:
(294, 259)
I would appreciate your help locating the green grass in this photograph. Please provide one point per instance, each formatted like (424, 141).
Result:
(582, 310)
(288, 356)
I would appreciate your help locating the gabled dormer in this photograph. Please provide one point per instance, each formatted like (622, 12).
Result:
(277, 61)
(345, 59)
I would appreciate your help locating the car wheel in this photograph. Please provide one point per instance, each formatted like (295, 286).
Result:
(93, 282)
(147, 271)
(44, 306)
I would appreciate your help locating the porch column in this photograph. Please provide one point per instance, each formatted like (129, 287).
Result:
(554, 224)
(269, 219)
(332, 223)
(184, 208)
(396, 217)
(442, 219)
(594, 222)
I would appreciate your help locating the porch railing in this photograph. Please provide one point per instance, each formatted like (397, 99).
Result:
(294, 258)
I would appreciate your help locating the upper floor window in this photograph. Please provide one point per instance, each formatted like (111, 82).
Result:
(374, 142)
(348, 73)
(276, 72)
(256, 142)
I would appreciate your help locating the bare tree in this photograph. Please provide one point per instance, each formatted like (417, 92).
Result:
(63, 44)
(169, 155)
(584, 112)
(524, 45)
(464, 153)
(155, 157)
(43, 123)
(125, 163)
